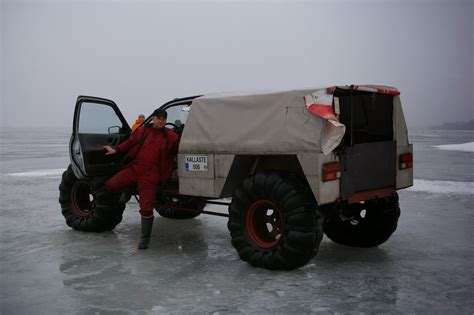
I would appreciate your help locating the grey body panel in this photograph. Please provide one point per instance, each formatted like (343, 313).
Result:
(404, 177)
(208, 183)
(324, 192)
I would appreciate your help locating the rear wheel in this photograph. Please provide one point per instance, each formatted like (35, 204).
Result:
(171, 207)
(87, 205)
(366, 224)
(274, 221)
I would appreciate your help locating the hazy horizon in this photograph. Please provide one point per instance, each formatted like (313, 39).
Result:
(143, 53)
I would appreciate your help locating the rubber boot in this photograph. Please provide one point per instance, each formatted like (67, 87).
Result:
(125, 197)
(147, 226)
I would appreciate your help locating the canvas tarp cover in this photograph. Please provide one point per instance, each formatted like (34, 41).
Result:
(272, 123)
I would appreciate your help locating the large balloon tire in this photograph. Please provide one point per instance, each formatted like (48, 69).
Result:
(102, 213)
(195, 203)
(371, 229)
(274, 221)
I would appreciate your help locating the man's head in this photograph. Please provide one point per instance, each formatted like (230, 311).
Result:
(159, 118)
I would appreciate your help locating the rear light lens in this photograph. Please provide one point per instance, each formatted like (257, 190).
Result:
(331, 171)
(405, 161)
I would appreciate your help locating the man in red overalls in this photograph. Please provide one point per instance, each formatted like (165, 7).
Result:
(152, 166)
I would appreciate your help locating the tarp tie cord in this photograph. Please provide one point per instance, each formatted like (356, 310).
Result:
(352, 113)
(365, 111)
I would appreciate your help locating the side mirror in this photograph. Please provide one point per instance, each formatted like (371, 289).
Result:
(114, 130)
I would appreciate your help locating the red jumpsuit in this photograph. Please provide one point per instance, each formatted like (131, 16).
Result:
(153, 164)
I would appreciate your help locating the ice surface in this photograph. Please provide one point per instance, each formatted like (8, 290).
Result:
(465, 147)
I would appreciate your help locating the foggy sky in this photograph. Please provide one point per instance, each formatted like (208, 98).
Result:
(142, 54)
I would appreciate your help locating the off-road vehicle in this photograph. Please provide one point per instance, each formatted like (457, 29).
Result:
(295, 164)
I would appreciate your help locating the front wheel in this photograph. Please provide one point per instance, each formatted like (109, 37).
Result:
(274, 221)
(366, 224)
(87, 205)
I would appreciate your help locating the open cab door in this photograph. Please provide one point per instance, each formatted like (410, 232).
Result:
(97, 122)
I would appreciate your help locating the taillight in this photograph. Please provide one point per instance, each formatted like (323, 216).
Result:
(331, 171)
(405, 161)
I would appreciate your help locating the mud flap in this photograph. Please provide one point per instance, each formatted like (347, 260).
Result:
(368, 166)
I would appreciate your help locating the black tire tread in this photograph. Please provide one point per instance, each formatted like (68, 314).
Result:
(106, 213)
(382, 220)
(302, 233)
(172, 213)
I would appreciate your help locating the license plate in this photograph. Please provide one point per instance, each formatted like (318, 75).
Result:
(195, 163)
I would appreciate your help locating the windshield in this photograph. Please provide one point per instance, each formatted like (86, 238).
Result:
(178, 114)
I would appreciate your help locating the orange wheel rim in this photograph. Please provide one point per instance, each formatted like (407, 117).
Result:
(81, 199)
(265, 224)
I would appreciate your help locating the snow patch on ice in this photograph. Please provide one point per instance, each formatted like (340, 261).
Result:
(443, 187)
(38, 173)
(465, 147)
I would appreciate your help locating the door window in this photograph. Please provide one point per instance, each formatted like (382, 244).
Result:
(99, 119)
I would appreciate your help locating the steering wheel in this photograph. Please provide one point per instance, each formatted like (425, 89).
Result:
(175, 128)
(173, 125)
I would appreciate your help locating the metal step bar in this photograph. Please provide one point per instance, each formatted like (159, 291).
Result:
(218, 203)
(197, 211)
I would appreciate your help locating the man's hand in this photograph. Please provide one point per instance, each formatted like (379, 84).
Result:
(109, 150)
